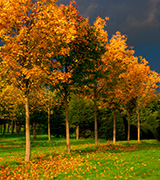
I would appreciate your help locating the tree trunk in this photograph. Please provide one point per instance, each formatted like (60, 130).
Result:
(114, 127)
(27, 127)
(138, 126)
(77, 131)
(4, 129)
(15, 126)
(19, 127)
(49, 127)
(129, 120)
(67, 122)
(1, 128)
(95, 123)
(34, 131)
(12, 127)
(24, 129)
(8, 127)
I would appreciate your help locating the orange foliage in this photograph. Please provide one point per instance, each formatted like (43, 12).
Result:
(33, 33)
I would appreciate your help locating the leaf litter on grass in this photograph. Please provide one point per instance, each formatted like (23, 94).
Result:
(122, 161)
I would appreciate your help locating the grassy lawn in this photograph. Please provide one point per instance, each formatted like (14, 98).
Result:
(49, 160)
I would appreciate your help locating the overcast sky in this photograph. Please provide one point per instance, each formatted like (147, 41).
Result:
(138, 19)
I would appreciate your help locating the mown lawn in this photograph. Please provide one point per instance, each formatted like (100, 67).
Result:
(49, 160)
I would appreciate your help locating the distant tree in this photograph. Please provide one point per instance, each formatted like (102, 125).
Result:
(81, 114)
(45, 100)
(11, 105)
(141, 83)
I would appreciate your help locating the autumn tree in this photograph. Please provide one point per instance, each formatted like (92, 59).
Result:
(31, 33)
(140, 84)
(125, 91)
(116, 59)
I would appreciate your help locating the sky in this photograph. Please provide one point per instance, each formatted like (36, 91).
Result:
(138, 19)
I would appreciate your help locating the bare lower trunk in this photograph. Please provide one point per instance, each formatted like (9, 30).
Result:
(1, 128)
(129, 119)
(34, 131)
(15, 126)
(77, 131)
(4, 129)
(19, 127)
(49, 128)
(67, 123)
(24, 129)
(95, 123)
(114, 127)
(138, 126)
(27, 127)
(12, 126)
(8, 128)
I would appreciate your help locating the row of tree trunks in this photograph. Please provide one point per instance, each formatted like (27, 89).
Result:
(15, 127)
(18, 128)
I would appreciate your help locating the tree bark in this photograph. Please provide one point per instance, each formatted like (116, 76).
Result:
(1, 128)
(67, 122)
(12, 127)
(19, 127)
(77, 131)
(129, 120)
(24, 129)
(8, 127)
(49, 126)
(34, 131)
(138, 126)
(4, 129)
(95, 123)
(27, 127)
(114, 127)
(15, 126)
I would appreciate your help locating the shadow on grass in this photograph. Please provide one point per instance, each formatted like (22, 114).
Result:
(81, 146)
(110, 148)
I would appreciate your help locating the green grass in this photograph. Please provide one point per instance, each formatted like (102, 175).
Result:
(49, 160)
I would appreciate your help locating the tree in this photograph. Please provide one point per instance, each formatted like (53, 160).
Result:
(91, 83)
(11, 104)
(140, 83)
(116, 59)
(31, 33)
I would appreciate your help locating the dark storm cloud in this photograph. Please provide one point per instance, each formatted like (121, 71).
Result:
(138, 19)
